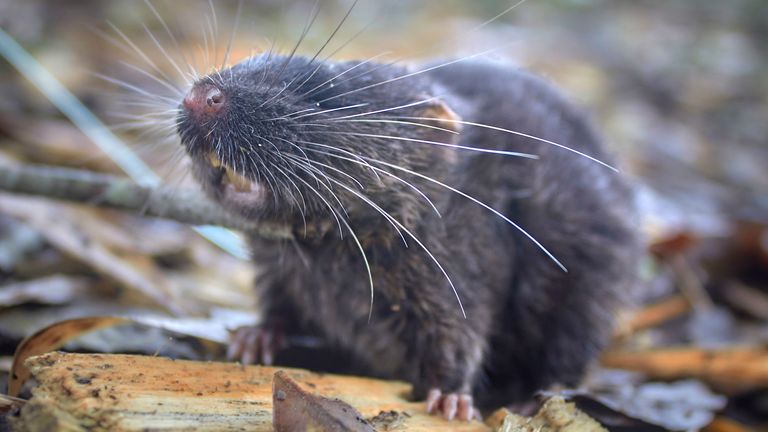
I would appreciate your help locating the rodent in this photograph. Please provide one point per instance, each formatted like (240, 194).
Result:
(274, 138)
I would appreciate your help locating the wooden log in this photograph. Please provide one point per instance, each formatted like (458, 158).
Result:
(100, 392)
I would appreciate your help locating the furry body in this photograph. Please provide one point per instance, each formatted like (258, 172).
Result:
(528, 323)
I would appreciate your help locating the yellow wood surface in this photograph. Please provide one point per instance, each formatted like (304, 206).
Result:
(126, 393)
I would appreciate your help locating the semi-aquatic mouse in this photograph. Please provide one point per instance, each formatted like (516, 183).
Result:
(455, 223)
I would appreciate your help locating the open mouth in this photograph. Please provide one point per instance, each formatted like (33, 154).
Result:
(234, 190)
(229, 177)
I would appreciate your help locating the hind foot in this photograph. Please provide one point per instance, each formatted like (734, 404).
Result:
(255, 344)
(452, 405)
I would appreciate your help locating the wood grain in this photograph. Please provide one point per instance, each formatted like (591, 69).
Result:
(130, 393)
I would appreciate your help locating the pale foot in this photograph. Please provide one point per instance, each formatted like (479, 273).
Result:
(452, 405)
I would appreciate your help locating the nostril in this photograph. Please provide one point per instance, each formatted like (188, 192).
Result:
(214, 97)
(204, 100)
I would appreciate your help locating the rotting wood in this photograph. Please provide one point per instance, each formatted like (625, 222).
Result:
(102, 392)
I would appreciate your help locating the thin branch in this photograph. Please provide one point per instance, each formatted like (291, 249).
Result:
(183, 205)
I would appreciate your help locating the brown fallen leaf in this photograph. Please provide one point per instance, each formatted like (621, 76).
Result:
(50, 338)
(296, 410)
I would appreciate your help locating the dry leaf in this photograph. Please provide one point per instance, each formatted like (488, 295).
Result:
(49, 339)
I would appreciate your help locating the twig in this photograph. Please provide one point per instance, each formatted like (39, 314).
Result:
(183, 205)
(654, 315)
(734, 368)
(99, 134)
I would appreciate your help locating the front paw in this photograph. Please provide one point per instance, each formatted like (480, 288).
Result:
(452, 405)
(255, 344)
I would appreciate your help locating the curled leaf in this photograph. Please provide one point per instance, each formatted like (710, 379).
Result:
(50, 338)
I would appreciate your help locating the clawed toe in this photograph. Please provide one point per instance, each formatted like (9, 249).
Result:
(253, 345)
(452, 405)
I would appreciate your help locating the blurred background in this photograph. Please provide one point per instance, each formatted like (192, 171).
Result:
(678, 89)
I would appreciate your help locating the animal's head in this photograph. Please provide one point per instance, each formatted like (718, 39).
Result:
(289, 139)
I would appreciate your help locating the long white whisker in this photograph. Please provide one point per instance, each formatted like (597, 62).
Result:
(501, 14)
(135, 89)
(436, 143)
(294, 113)
(373, 69)
(304, 168)
(301, 206)
(336, 30)
(138, 51)
(402, 122)
(261, 171)
(385, 172)
(165, 53)
(357, 243)
(332, 168)
(338, 27)
(164, 116)
(144, 125)
(313, 16)
(410, 234)
(408, 75)
(476, 201)
(509, 131)
(283, 157)
(175, 90)
(173, 39)
(292, 144)
(344, 152)
(307, 168)
(312, 90)
(408, 105)
(214, 27)
(234, 31)
(267, 102)
(330, 110)
(207, 44)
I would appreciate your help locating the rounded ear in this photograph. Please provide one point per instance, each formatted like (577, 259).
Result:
(442, 115)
